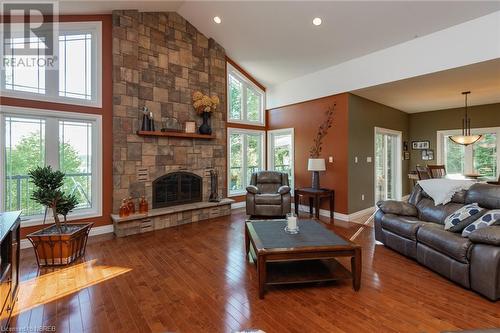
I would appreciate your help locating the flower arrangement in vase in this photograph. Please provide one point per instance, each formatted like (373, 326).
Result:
(205, 105)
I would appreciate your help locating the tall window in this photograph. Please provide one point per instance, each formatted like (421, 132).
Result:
(245, 150)
(75, 77)
(245, 99)
(65, 141)
(480, 158)
(280, 152)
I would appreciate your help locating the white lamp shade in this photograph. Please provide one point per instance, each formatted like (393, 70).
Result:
(316, 164)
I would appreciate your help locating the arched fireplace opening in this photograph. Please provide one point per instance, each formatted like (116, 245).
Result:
(177, 188)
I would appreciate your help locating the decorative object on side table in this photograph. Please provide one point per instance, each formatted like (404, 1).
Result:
(205, 105)
(291, 224)
(214, 184)
(62, 243)
(315, 163)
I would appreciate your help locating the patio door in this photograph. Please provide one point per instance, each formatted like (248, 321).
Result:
(280, 152)
(387, 164)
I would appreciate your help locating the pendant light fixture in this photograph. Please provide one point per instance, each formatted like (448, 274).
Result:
(466, 138)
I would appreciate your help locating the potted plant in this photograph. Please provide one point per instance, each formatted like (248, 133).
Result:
(205, 105)
(60, 243)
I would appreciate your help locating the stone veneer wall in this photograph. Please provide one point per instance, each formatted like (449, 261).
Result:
(159, 60)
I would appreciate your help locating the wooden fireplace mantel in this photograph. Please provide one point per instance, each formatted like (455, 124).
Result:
(176, 134)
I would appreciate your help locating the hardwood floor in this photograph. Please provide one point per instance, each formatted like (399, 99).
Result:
(194, 278)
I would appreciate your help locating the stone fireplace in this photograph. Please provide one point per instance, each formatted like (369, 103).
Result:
(177, 188)
(159, 60)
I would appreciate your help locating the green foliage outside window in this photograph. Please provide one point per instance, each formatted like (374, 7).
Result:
(485, 156)
(30, 153)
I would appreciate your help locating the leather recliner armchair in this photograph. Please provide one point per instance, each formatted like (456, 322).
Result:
(268, 194)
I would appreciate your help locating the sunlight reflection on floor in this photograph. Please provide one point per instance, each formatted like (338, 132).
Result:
(62, 282)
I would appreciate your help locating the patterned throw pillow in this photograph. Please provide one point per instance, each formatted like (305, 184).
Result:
(457, 221)
(490, 218)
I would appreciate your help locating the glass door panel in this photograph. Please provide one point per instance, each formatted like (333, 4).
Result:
(280, 152)
(387, 165)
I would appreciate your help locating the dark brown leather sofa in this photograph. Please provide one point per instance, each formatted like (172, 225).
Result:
(268, 194)
(416, 229)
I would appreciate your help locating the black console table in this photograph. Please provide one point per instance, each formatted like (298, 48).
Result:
(10, 228)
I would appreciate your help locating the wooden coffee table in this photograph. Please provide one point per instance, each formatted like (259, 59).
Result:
(306, 257)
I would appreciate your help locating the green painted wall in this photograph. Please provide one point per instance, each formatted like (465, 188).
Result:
(424, 125)
(364, 116)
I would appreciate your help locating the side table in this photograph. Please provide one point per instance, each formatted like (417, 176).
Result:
(315, 196)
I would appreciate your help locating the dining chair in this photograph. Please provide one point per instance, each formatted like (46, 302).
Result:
(437, 171)
(423, 172)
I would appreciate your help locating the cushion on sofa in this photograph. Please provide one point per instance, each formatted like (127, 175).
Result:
(428, 211)
(449, 243)
(491, 217)
(405, 226)
(397, 207)
(461, 218)
(268, 199)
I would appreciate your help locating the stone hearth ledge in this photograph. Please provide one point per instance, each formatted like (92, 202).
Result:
(160, 218)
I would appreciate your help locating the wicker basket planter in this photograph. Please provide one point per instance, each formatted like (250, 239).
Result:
(55, 248)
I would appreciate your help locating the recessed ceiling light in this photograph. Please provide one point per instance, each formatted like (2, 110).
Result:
(317, 21)
(217, 20)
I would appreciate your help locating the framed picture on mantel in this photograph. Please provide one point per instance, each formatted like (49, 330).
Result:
(419, 145)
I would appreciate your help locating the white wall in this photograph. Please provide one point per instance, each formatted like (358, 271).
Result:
(464, 44)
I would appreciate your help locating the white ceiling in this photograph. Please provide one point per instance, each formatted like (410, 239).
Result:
(275, 41)
(106, 7)
(440, 90)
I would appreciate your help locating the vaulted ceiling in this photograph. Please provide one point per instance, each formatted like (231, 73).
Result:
(276, 41)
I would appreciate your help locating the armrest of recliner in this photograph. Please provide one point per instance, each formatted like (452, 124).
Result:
(397, 207)
(284, 189)
(252, 189)
(487, 235)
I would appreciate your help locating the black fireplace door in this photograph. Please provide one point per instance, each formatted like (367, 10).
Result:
(177, 188)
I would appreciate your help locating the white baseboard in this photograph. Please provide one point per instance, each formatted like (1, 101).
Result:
(340, 216)
(322, 212)
(105, 229)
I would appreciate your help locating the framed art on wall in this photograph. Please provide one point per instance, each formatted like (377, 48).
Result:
(423, 144)
(427, 154)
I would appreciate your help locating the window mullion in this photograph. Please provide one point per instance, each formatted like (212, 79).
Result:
(52, 143)
(244, 116)
(245, 159)
(2, 163)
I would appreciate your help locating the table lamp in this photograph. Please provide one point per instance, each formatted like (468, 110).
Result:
(316, 165)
